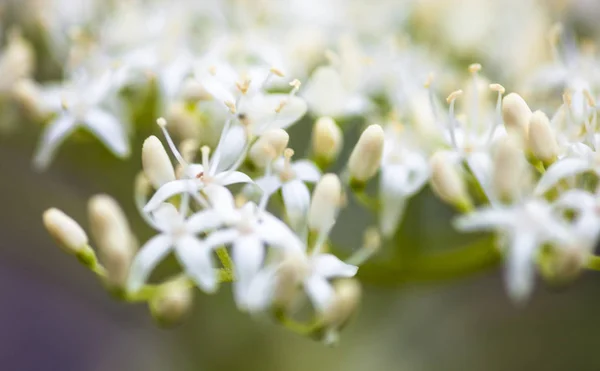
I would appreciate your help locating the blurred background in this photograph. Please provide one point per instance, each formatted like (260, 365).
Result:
(55, 315)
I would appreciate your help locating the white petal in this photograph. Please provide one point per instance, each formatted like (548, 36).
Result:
(54, 134)
(277, 234)
(269, 184)
(231, 148)
(330, 266)
(248, 254)
(169, 190)
(196, 258)
(220, 86)
(261, 289)
(232, 177)
(146, 259)
(109, 130)
(219, 197)
(480, 164)
(485, 219)
(266, 112)
(519, 266)
(391, 210)
(166, 217)
(576, 199)
(319, 291)
(306, 171)
(203, 221)
(296, 199)
(222, 237)
(559, 170)
(325, 92)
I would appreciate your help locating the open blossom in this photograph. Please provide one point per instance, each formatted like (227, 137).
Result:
(78, 104)
(523, 228)
(179, 234)
(404, 171)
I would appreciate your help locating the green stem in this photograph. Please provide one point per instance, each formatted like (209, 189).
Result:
(593, 263)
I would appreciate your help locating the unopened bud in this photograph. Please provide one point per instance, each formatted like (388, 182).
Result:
(509, 169)
(269, 146)
(183, 122)
(564, 264)
(193, 91)
(156, 162)
(327, 140)
(326, 201)
(541, 139)
(447, 182)
(516, 115)
(344, 304)
(290, 274)
(113, 237)
(365, 158)
(172, 303)
(66, 231)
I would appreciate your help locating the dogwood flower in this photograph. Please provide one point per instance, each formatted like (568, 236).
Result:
(178, 234)
(248, 230)
(524, 227)
(197, 176)
(290, 178)
(77, 104)
(404, 171)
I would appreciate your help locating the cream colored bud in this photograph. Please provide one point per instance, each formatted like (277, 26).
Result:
(65, 231)
(172, 303)
(327, 140)
(509, 169)
(344, 304)
(447, 182)
(156, 162)
(182, 121)
(16, 62)
(541, 140)
(115, 241)
(516, 114)
(365, 158)
(290, 274)
(269, 146)
(326, 201)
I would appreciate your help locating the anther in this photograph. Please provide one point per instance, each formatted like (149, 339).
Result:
(453, 96)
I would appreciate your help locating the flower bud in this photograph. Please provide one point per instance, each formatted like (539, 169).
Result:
(541, 139)
(516, 115)
(509, 169)
(365, 158)
(290, 274)
(66, 231)
(326, 200)
(327, 140)
(171, 303)
(193, 91)
(269, 146)
(16, 62)
(564, 264)
(182, 121)
(156, 162)
(113, 237)
(344, 303)
(446, 181)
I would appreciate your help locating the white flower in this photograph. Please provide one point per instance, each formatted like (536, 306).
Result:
(586, 221)
(580, 159)
(404, 172)
(525, 227)
(178, 234)
(248, 230)
(78, 104)
(197, 176)
(290, 178)
(312, 271)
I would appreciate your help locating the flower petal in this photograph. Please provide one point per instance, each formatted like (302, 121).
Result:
(54, 134)
(146, 259)
(485, 219)
(261, 289)
(248, 255)
(203, 221)
(559, 170)
(325, 92)
(269, 184)
(319, 291)
(296, 199)
(391, 211)
(519, 275)
(196, 258)
(219, 197)
(169, 190)
(166, 217)
(109, 130)
(306, 171)
(232, 177)
(230, 150)
(277, 234)
(330, 266)
(272, 111)
(222, 237)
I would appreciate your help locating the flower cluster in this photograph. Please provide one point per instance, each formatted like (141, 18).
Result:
(232, 202)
